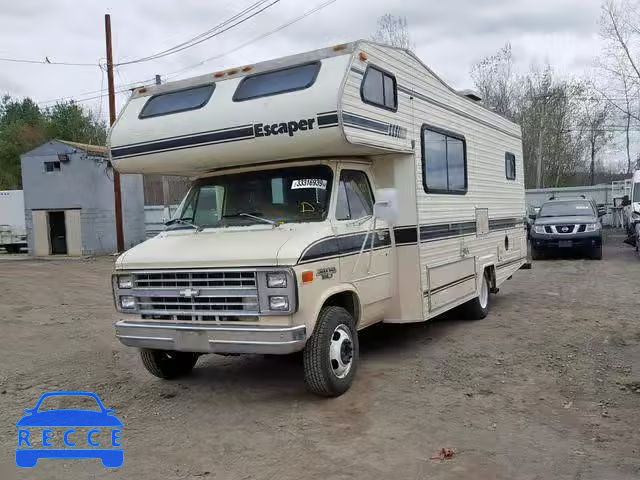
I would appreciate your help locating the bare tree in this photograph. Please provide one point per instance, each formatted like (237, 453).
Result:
(497, 83)
(393, 30)
(595, 121)
(619, 82)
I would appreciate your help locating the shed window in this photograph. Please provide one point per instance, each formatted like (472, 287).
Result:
(444, 162)
(179, 101)
(379, 88)
(275, 82)
(510, 166)
(51, 166)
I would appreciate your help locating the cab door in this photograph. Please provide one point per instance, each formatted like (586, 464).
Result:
(370, 271)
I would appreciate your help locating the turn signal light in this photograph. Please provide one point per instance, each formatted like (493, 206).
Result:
(307, 277)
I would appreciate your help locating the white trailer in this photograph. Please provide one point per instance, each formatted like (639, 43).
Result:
(631, 214)
(332, 190)
(13, 236)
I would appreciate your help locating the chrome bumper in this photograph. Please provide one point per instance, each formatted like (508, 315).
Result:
(202, 338)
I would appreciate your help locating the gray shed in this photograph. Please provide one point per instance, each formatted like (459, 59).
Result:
(69, 201)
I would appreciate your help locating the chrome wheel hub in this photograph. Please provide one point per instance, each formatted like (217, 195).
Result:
(484, 293)
(341, 351)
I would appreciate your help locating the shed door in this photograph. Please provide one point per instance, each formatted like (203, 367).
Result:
(40, 233)
(74, 238)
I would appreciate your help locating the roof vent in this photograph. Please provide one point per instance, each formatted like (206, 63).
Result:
(471, 95)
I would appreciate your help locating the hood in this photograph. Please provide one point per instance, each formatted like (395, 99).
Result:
(253, 246)
(574, 219)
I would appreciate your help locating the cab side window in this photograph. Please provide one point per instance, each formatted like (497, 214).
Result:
(355, 199)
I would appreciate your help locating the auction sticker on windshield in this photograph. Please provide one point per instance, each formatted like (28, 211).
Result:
(92, 431)
(309, 183)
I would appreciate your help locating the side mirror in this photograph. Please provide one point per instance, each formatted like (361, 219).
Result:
(533, 216)
(386, 206)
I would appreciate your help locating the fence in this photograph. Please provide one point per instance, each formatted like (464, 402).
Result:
(602, 194)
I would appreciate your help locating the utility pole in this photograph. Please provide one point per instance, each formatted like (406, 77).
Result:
(112, 119)
(540, 144)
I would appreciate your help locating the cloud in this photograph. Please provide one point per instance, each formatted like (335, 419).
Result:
(449, 36)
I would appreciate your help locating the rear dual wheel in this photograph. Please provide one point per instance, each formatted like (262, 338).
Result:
(478, 308)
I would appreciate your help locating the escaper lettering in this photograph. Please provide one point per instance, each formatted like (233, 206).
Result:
(267, 130)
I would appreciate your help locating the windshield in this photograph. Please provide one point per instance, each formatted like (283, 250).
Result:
(636, 192)
(286, 195)
(566, 209)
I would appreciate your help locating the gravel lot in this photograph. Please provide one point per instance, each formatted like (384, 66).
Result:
(547, 387)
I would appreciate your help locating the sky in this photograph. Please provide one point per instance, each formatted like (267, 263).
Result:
(448, 35)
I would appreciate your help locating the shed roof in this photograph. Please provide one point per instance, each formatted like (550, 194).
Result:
(97, 150)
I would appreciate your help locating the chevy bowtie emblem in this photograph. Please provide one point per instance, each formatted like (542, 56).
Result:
(189, 292)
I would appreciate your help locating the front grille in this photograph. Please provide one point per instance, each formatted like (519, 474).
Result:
(195, 279)
(196, 295)
(548, 229)
(582, 228)
(566, 229)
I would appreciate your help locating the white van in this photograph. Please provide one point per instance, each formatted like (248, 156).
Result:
(332, 190)
(632, 211)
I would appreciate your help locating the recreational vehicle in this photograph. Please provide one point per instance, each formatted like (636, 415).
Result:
(632, 211)
(332, 190)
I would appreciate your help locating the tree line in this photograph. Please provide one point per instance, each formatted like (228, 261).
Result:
(24, 125)
(566, 122)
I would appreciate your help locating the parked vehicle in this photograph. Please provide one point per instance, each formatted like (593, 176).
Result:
(632, 212)
(567, 225)
(13, 235)
(334, 190)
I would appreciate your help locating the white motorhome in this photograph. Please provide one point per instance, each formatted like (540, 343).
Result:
(332, 190)
(632, 211)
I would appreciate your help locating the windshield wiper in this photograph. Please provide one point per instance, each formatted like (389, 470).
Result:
(250, 215)
(183, 222)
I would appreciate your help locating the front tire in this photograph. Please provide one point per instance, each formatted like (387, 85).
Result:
(168, 364)
(536, 254)
(331, 354)
(596, 253)
(478, 308)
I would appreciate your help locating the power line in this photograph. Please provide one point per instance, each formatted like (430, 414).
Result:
(225, 26)
(46, 61)
(256, 39)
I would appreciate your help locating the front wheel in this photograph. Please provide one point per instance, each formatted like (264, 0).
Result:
(596, 253)
(478, 308)
(331, 354)
(168, 364)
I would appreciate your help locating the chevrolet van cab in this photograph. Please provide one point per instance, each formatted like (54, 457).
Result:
(332, 190)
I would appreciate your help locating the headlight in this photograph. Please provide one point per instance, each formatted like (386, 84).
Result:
(277, 280)
(128, 302)
(593, 227)
(279, 302)
(125, 281)
(538, 228)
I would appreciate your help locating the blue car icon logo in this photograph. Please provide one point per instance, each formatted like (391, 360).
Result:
(69, 433)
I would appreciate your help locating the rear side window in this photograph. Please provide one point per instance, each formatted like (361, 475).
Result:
(444, 161)
(180, 101)
(379, 88)
(510, 166)
(275, 82)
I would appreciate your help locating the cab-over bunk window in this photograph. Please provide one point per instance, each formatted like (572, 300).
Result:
(379, 88)
(275, 82)
(178, 101)
(444, 161)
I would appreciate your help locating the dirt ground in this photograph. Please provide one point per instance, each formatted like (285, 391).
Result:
(546, 387)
